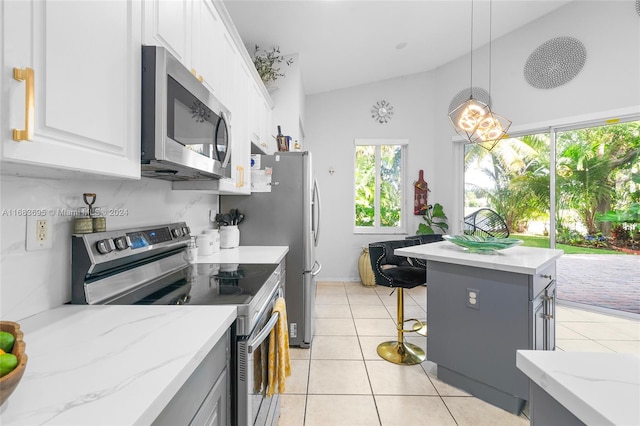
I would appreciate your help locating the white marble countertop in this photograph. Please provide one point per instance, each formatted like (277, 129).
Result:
(247, 254)
(598, 388)
(523, 260)
(110, 365)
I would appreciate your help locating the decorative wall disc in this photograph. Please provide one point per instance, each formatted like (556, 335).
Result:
(478, 93)
(382, 111)
(555, 62)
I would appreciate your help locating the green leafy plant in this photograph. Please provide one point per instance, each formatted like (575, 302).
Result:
(620, 233)
(435, 218)
(267, 63)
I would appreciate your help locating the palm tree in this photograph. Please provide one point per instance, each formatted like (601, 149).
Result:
(514, 172)
(589, 162)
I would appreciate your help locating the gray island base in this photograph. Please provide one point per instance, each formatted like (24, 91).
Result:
(482, 308)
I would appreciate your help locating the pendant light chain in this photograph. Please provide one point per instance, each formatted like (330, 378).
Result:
(471, 55)
(490, 16)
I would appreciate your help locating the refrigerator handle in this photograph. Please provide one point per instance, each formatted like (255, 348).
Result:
(316, 272)
(316, 212)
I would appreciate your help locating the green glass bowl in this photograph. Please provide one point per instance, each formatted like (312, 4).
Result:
(476, 244)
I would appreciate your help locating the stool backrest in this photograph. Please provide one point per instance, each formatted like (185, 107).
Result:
(382, 256)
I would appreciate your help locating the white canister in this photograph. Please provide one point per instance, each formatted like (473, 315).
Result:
(205, 244)
(191, 252)
(229, 236)
(216, 238)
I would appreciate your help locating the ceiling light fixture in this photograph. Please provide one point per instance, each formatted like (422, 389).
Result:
(474, 119)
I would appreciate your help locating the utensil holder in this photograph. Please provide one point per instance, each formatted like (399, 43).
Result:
(229, 236)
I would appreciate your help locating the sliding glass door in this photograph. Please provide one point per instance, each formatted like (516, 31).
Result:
(576, 189)
(513, 180)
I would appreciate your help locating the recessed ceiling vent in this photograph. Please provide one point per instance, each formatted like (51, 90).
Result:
(555, 62)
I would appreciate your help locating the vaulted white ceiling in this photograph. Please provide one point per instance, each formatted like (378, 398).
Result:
(346, 43)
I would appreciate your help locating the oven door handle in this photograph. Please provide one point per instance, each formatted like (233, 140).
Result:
(263, 333)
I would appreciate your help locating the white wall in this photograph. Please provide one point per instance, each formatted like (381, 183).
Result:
(333, 121)
(608, 83)
(34, 281)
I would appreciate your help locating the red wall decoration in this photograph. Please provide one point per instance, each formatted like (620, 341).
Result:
(420, 202)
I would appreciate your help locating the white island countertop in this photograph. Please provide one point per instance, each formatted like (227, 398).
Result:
(523, 260)
(598, 388)
(110, 365)
(247, 254)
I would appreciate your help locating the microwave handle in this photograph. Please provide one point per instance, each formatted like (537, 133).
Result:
(227, 157)
(263, 333)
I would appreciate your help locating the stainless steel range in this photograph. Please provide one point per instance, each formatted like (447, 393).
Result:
(148, 266)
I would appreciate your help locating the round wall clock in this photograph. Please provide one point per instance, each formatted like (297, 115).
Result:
(382, 111)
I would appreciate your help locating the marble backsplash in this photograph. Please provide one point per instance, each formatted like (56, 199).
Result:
(34, 281)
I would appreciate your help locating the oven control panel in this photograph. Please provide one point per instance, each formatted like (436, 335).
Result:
(110, 245)
(150, 237)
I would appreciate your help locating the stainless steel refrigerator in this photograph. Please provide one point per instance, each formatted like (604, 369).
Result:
(286, 213)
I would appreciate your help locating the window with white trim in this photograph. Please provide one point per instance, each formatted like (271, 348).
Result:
(379, 177)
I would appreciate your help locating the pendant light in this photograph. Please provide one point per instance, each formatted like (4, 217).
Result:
(474, 119)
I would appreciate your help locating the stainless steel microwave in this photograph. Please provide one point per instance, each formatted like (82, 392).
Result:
(185, 129)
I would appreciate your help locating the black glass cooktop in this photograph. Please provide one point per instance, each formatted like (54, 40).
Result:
(205, 284)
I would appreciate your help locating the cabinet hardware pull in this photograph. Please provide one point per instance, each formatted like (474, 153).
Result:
(199, 77)
(29, 107)
(240, 177)
(546, 276)
(547, 316)
(546, 298)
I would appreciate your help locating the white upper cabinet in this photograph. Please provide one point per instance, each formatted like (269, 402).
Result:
(207, 42)
(240, 181)
(260, 130)
(268, 132)
(168, 23)
(80, 107)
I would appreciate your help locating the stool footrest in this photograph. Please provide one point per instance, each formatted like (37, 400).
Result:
(419, 327)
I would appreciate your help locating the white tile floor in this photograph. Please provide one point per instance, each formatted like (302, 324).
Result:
(342, 381)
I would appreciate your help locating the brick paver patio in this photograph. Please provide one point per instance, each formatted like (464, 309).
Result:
(605, 280)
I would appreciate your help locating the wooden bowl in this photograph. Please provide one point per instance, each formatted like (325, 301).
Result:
(9, 382)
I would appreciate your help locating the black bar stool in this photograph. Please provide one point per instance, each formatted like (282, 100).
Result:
(399, 272)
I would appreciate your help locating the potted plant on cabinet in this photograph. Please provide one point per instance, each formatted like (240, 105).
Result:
(267, 63)
(434, 218)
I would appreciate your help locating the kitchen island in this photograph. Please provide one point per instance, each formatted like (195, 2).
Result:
(482, 308)
(111, 365)
(578, 388)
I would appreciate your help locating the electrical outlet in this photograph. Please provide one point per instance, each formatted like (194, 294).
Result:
(39, 233)
(473, 298)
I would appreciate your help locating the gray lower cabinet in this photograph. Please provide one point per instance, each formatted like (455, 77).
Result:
(543, 310)
(204, 399)
(546, 411)
(478, 318)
